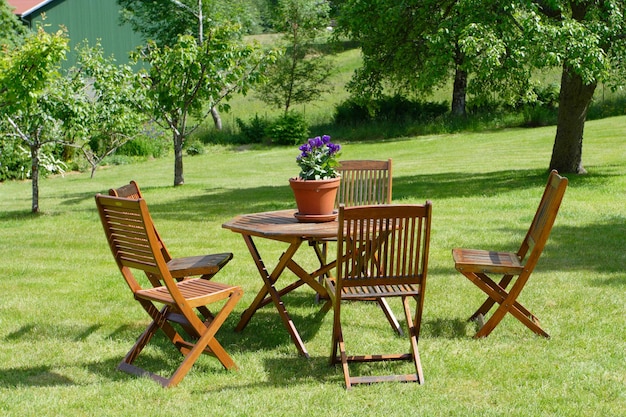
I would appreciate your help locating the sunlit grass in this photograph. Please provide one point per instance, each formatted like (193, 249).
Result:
(67, 317)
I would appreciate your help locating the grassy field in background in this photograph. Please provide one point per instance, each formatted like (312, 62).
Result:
(67, 317)
(343, 63)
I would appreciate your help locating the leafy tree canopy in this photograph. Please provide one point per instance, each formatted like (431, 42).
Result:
(12, 31)
(417, 45)
(163, 21)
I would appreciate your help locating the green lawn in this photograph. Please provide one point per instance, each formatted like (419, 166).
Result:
(67, 318)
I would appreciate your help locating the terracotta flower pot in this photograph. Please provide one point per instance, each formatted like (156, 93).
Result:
(315, 198)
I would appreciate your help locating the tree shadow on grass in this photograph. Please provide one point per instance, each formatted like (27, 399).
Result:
(447, 328)
(32, 332)
(33, 376)
(220, 202)
(266, 331)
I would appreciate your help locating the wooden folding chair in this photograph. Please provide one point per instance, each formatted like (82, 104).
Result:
(382, 252)
(478, 265)
(135, 247)
(364, 182)
(204, 266)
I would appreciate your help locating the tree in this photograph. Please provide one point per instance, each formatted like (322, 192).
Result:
(164, 21)
(184, 79)
(500, 43)
(12, 31)
(34, 96)
(587, 39)
(41, 108)
(298, 75)
(111, 117)
(416, 46)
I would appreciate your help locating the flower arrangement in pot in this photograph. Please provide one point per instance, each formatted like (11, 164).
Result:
(315, 188)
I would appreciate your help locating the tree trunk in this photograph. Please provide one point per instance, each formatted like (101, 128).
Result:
(34, 176)
(178, 160)
(459, 92)
(216, 118)
(574, 100)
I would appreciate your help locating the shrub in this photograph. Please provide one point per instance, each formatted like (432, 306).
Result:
(395, 109)
(14, 161)
(255, 131)
(145, 146)
(350, 112)
(289, 129)
(194, 147)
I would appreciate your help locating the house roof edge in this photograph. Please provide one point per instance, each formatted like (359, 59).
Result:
(28, 9)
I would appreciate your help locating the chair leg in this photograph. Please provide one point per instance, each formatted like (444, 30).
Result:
(207, 340)
(414, 336)
(344, 360)
(204, 333)
(384, 305)
(508, 303)
(484, 309)
(519, 312)
(159, 321)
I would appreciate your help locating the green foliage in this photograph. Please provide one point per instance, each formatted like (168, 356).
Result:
(352, 112)
(12, 31)
(187, 78)
(14, 161)
(154, 147)
(415, 46)
(37, 106)
(27, 71)
(289, 129)
(318, 159)
(111, 116)
(255, 131)
(395, 109)
(163, 21)
(399, 109)
(299, 75)
(194, 147)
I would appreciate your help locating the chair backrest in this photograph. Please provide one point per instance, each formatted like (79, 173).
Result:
(383, 245)
(133, 241)
(130, 190)
(542, 223)
(364, 183)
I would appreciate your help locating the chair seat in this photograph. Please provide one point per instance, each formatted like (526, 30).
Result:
(198, 265)
(196, 291)
(476, 260)
(378, 291)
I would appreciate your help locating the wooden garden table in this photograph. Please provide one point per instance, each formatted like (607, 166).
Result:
(282, 226)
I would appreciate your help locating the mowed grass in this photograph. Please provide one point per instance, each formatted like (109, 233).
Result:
(67, 317)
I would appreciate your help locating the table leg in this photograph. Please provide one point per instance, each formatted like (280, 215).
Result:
(269, 288)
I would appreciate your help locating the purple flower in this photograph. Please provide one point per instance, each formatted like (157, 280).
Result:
(305, 149)
(334, 148)
(316, 142)
(318, 158)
